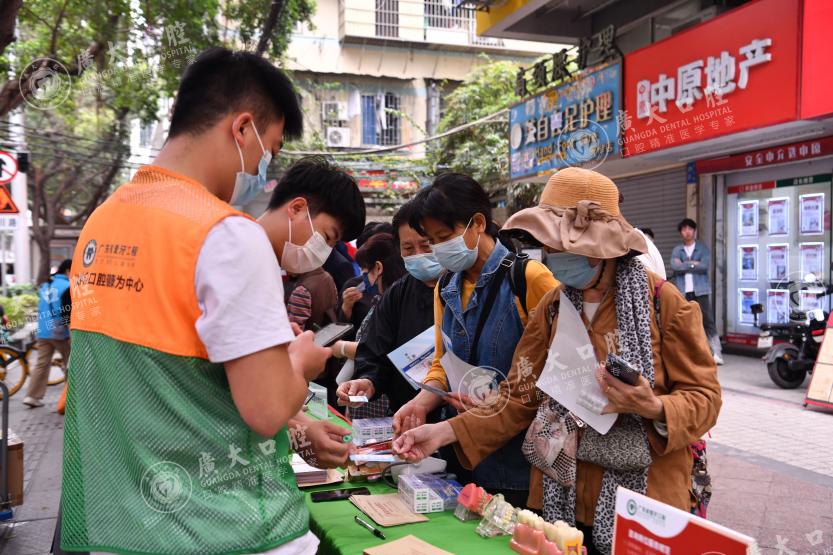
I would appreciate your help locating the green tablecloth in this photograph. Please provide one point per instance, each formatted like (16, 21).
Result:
(333, 523)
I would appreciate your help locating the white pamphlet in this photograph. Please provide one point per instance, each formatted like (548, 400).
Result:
(569, 375)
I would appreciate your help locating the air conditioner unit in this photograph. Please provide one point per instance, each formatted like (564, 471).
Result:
(334, 111)
(338, 136)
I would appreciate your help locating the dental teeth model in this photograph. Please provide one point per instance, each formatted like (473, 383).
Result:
(532, 535)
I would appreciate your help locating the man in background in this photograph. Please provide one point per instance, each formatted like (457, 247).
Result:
(690, 262)
(53, 331)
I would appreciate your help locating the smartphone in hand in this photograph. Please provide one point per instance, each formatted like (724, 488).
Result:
(621, 369)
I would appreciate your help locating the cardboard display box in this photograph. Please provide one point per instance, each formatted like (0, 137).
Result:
(15, 458)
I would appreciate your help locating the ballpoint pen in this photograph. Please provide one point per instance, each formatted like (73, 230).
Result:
(364, 524)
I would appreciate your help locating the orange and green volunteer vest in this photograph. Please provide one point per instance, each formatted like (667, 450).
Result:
(156, 457)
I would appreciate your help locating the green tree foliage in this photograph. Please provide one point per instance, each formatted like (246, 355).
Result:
(121, 58)
(481, 151)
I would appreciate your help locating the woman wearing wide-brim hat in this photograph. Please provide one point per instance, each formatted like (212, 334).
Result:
(592, 251)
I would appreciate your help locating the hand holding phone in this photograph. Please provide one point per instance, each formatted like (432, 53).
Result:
(331, 333)
(620, 369)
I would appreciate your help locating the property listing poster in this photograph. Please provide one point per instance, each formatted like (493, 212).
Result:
(811, 213)
(776, 232)
(778, 216)
(778, 262)
(748, 263)
(809, 301)
(777, 306)
(811, 260)
(748, 218)
(746, 298)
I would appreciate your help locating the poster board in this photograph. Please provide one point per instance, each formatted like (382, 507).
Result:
(645, 526)
(820, 392)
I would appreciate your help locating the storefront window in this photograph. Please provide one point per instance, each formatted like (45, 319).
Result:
(779, 247)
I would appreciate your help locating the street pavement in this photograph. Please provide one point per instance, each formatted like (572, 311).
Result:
(770, 458)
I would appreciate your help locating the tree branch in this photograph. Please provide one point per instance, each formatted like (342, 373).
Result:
(269, 26)
(8, 18)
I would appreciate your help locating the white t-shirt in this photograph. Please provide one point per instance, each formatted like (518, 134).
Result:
(689, 277)
(652, 259)
(240, 294)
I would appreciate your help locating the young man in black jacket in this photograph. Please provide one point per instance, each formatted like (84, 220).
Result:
(405, 310)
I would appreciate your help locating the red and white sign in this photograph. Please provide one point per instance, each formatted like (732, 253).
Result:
(644, 526)
(795, 152)
(8, 167)
(733, 73)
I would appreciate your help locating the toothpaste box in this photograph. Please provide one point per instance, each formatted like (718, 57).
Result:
(372, 429)
(428, 493)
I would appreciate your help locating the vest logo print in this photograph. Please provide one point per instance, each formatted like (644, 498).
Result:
(166, 487)
(89, 253)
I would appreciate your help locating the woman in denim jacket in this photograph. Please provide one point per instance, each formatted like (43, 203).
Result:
(455, 214)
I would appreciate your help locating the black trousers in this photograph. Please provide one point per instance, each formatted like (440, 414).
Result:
(708, 314)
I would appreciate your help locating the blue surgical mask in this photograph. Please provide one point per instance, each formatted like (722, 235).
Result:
(454, 255)
(370, 288)
(573, 269)
(246, 185)
(424, 267)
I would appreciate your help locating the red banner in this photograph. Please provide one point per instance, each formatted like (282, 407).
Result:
(733, 73)
(795, 152)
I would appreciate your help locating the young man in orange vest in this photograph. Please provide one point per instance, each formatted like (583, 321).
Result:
(185, 370)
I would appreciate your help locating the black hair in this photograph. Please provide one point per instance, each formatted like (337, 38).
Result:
(326, 188)
(220, 81)
(65, 266)
(452, 199)
(382, 248)
(403, 217)
(687, 222)
(371, 229)
(647, 231)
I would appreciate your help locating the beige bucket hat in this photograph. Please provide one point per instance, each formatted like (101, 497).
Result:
(578, 213)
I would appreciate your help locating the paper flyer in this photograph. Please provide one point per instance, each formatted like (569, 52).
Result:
(811, 213)
(746, 298)
(569, 375)
(748, 262)
(748, 218)
(478, 383)
(778, 211)
(811, 260)
(413, 359)
(777, 306)
(778, 262)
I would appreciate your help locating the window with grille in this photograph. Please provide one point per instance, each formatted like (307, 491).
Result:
(390, 135)
(381, 123)
(387, 18)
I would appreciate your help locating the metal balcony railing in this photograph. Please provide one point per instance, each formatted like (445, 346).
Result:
(431, 21)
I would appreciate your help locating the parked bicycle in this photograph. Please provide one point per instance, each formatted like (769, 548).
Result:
(14, 367)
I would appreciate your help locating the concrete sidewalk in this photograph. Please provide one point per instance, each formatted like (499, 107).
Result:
(42, 431)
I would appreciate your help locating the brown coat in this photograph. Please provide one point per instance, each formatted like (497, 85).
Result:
(686, 383)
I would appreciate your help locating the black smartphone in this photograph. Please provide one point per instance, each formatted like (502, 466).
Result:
(620, 369)
(331, 333)
(337, 494)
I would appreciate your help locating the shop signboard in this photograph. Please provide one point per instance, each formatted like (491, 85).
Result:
(573, 124)
(730, 74)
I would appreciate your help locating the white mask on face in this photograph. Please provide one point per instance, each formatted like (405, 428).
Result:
(300, 259)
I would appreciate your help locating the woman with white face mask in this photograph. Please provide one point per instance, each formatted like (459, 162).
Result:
(481, 305)
(665, 405)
